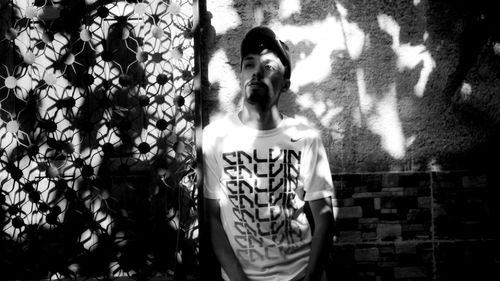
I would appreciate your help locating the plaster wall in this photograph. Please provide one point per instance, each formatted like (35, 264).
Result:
(406, 85)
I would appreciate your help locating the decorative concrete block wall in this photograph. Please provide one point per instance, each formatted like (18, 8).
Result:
(97, 148)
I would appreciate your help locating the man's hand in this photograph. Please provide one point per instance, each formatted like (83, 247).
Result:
(322, 214)
(220, 243)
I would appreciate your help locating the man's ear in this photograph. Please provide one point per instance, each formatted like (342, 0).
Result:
(286, 85)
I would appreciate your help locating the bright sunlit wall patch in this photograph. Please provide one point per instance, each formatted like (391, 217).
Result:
(313, 65)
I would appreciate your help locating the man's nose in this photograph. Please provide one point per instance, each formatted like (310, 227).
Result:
(259, 71)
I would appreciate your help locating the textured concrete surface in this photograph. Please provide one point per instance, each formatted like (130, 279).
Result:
(393, 85)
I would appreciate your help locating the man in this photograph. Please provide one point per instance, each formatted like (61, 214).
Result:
(263, 171)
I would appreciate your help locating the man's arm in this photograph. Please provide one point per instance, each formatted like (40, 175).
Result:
(322, 213)
(220, 243)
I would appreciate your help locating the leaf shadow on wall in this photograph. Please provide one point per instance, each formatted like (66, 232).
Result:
(410, 122)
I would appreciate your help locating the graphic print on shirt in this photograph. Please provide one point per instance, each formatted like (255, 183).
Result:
(261, 188)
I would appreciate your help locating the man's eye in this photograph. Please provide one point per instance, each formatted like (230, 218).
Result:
(269, 67)
(248, 65)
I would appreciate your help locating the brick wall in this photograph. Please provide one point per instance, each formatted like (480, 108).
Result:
(416, 226)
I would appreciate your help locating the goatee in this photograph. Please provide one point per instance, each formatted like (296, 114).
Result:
(257, 97)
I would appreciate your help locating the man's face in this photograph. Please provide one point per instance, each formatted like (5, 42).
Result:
(262, 79)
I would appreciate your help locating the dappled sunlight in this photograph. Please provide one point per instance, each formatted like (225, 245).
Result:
(354, 38)
(230, 19)
(288, 8)
(409, 57)
(89, 240)
(258, 15)
(221, 73)
(323, 38)
(326, 111)
(318, 48)
(349, 70)
(465, 91)
(379, 110)
(387, 124)
(95, 102)
(382, 116)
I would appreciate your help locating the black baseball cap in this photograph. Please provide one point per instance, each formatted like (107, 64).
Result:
(262, 37)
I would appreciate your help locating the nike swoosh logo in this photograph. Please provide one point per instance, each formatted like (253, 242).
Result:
(296, 140)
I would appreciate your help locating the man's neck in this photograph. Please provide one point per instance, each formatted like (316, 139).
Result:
(260, 119)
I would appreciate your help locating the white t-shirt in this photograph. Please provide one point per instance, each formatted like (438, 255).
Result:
(262, 179)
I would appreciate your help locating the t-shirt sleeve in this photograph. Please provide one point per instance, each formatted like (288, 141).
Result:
(210, 166)
(318, 179)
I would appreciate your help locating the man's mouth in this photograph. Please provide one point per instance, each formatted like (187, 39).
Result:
(257, 92)
(255, 83)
